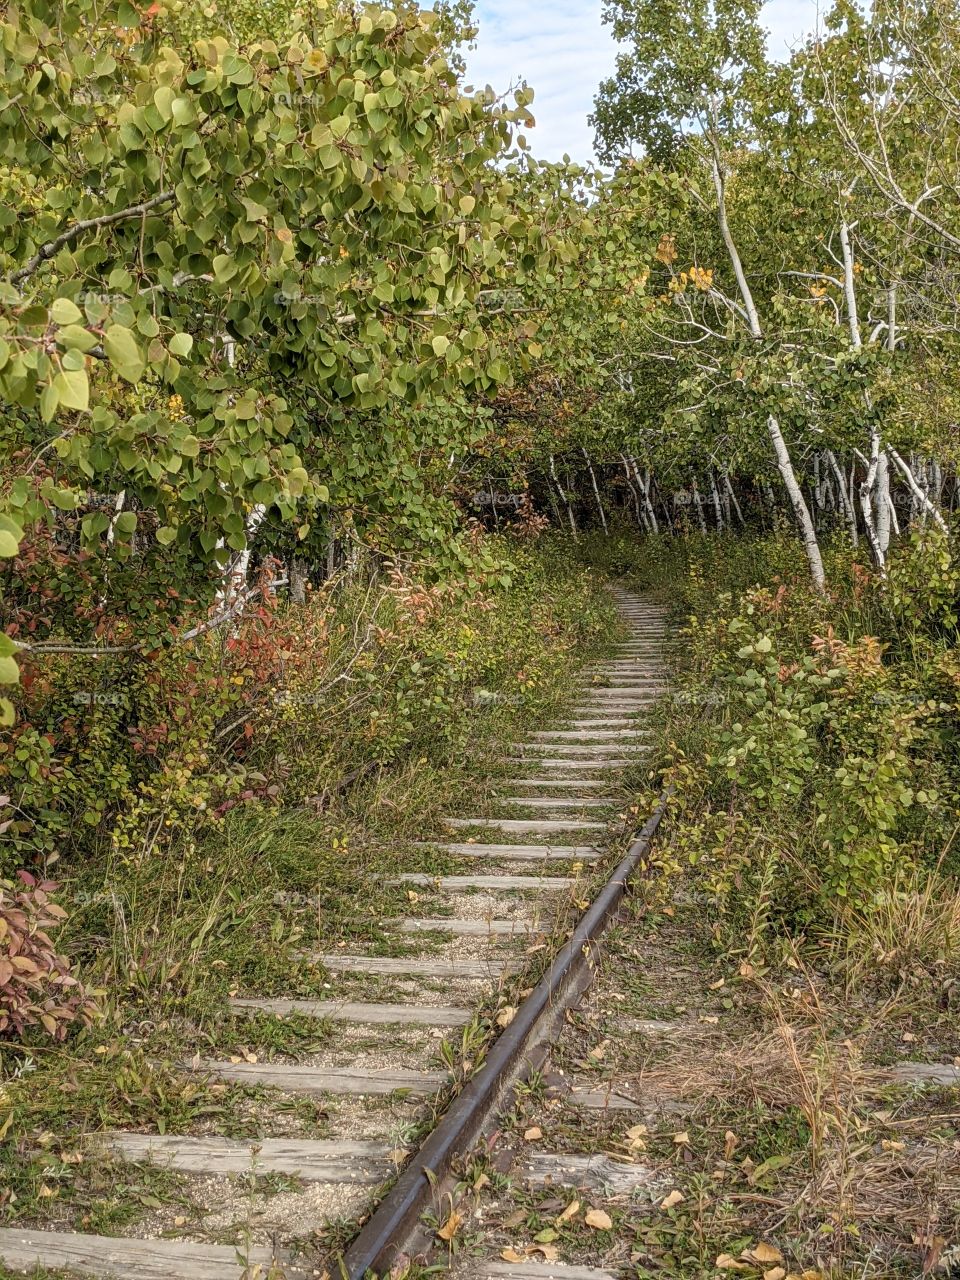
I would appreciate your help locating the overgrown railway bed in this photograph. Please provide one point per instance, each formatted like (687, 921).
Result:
(402, 1101)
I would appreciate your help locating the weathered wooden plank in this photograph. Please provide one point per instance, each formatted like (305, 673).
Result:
(581, 750)
(113, 1258)
(589, 735)
(351, 1080)
(557, 802)
(533, 1271)
(556, 782)
(596, 1172)
(567, 764)
(610, 712)
(518, 852)
(599, 1099)
(424, 966)
(425, 1015)
(470, 928)
(934, 1073)
(366, 1163)
(606, 722)
(547, 884)
(533, 826)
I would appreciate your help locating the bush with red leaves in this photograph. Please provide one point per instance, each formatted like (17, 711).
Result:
(36, 985)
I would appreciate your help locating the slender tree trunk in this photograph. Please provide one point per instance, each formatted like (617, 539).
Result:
(927, 506)
(596, 491)
(800, 509)
(698, 503)
(563, 498)
(884, 503)
(717, 505)
(784, 461)
(297, 573)
(731, 496)
(641, 515)
(646, 481)
(849, 511)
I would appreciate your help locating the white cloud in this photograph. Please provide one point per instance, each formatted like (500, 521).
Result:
(563, 50)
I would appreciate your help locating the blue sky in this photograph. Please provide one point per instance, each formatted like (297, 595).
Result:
(561, 48)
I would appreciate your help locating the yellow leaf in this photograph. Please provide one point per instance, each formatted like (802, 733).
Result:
(598, 1219)
(571, 1211)
(550, 1251)
(511, 1255)
(532, 1134)
(674, 1198)
(763, 1252)
(727, 1262)
(506, 1016)
(450, 1227)
(682, 1139)
(775, 1273)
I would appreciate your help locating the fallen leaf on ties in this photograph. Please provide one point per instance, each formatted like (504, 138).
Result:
(598, 1219)
(889, 1145)
(775, 1273)
(533, 1134)
(763, 1252)
(746, 969)
(179, 1221)
(727, 1262)
(451, 1226)
(682, 1139)
(506, 1016)
(908, 1037)
(715, 986)
(674, 1198)
(398, 1155)
(598, 1051)
(550, 1251)
(511, 1255)
(571, 1211)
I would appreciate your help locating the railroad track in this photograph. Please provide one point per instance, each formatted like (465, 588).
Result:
(383, 1084)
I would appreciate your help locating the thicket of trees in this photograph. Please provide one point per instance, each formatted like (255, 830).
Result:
(277, 285)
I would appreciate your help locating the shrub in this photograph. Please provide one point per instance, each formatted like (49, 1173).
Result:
(37, 988)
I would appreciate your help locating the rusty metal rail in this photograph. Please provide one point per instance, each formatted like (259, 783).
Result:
(518, 1051)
